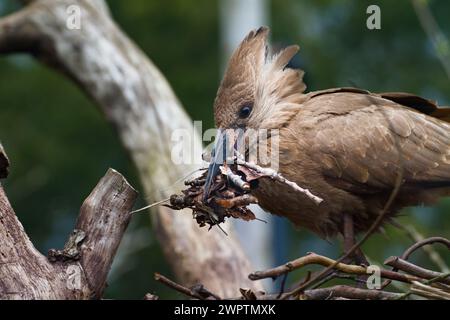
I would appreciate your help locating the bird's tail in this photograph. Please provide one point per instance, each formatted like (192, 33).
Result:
(420, 104)
(442, 113)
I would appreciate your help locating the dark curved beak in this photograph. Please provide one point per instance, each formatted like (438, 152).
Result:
(218, 156)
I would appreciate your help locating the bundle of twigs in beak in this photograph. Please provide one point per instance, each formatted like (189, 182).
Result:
(229, 196)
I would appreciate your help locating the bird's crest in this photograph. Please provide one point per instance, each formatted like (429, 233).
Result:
(255, 75)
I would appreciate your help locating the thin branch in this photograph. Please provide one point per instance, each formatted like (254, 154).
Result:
(409, 292)
(178, 287)
(283, 284)
(278, 177)
(235, 178)
(424, 290)
(348, 292)
(150, 205)
(425, 242)
(205, 293)
(182, 289)
(419, 244)
(417, 271)
(431, 252)
(313, 258)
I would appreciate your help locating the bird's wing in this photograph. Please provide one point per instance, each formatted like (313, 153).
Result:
(409, 100)
(361, 141)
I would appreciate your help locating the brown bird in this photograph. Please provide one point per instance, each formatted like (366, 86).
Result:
(346, 145)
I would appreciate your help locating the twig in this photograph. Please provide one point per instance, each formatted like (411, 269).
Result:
(348, 292)
(283, 284)
(204, 293)
(221, 229)
(278, 177)
(238, 201)
(324, 280)
(235, 178)
(409, 292)
(421, 289)
(431, 252)
(417, 271)
(425, 242)
(313, 258)
(150, 205)
(416, 246)
(178, 287)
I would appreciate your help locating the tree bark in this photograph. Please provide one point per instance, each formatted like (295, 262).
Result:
(136, 98)
(79, 270)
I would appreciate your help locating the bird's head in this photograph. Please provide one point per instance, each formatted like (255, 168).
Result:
(258, 90)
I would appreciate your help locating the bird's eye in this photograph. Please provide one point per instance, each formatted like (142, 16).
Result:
(245, 111)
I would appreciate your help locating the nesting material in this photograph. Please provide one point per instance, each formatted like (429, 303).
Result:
(229, 197)
(230, 193)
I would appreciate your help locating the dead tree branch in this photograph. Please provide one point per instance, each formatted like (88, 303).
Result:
(104, 214)
(79, 270)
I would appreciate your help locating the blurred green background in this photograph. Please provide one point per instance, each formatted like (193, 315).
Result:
(60, 145)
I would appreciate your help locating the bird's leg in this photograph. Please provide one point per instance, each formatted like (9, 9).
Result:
(349, 234)
(349, 241)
